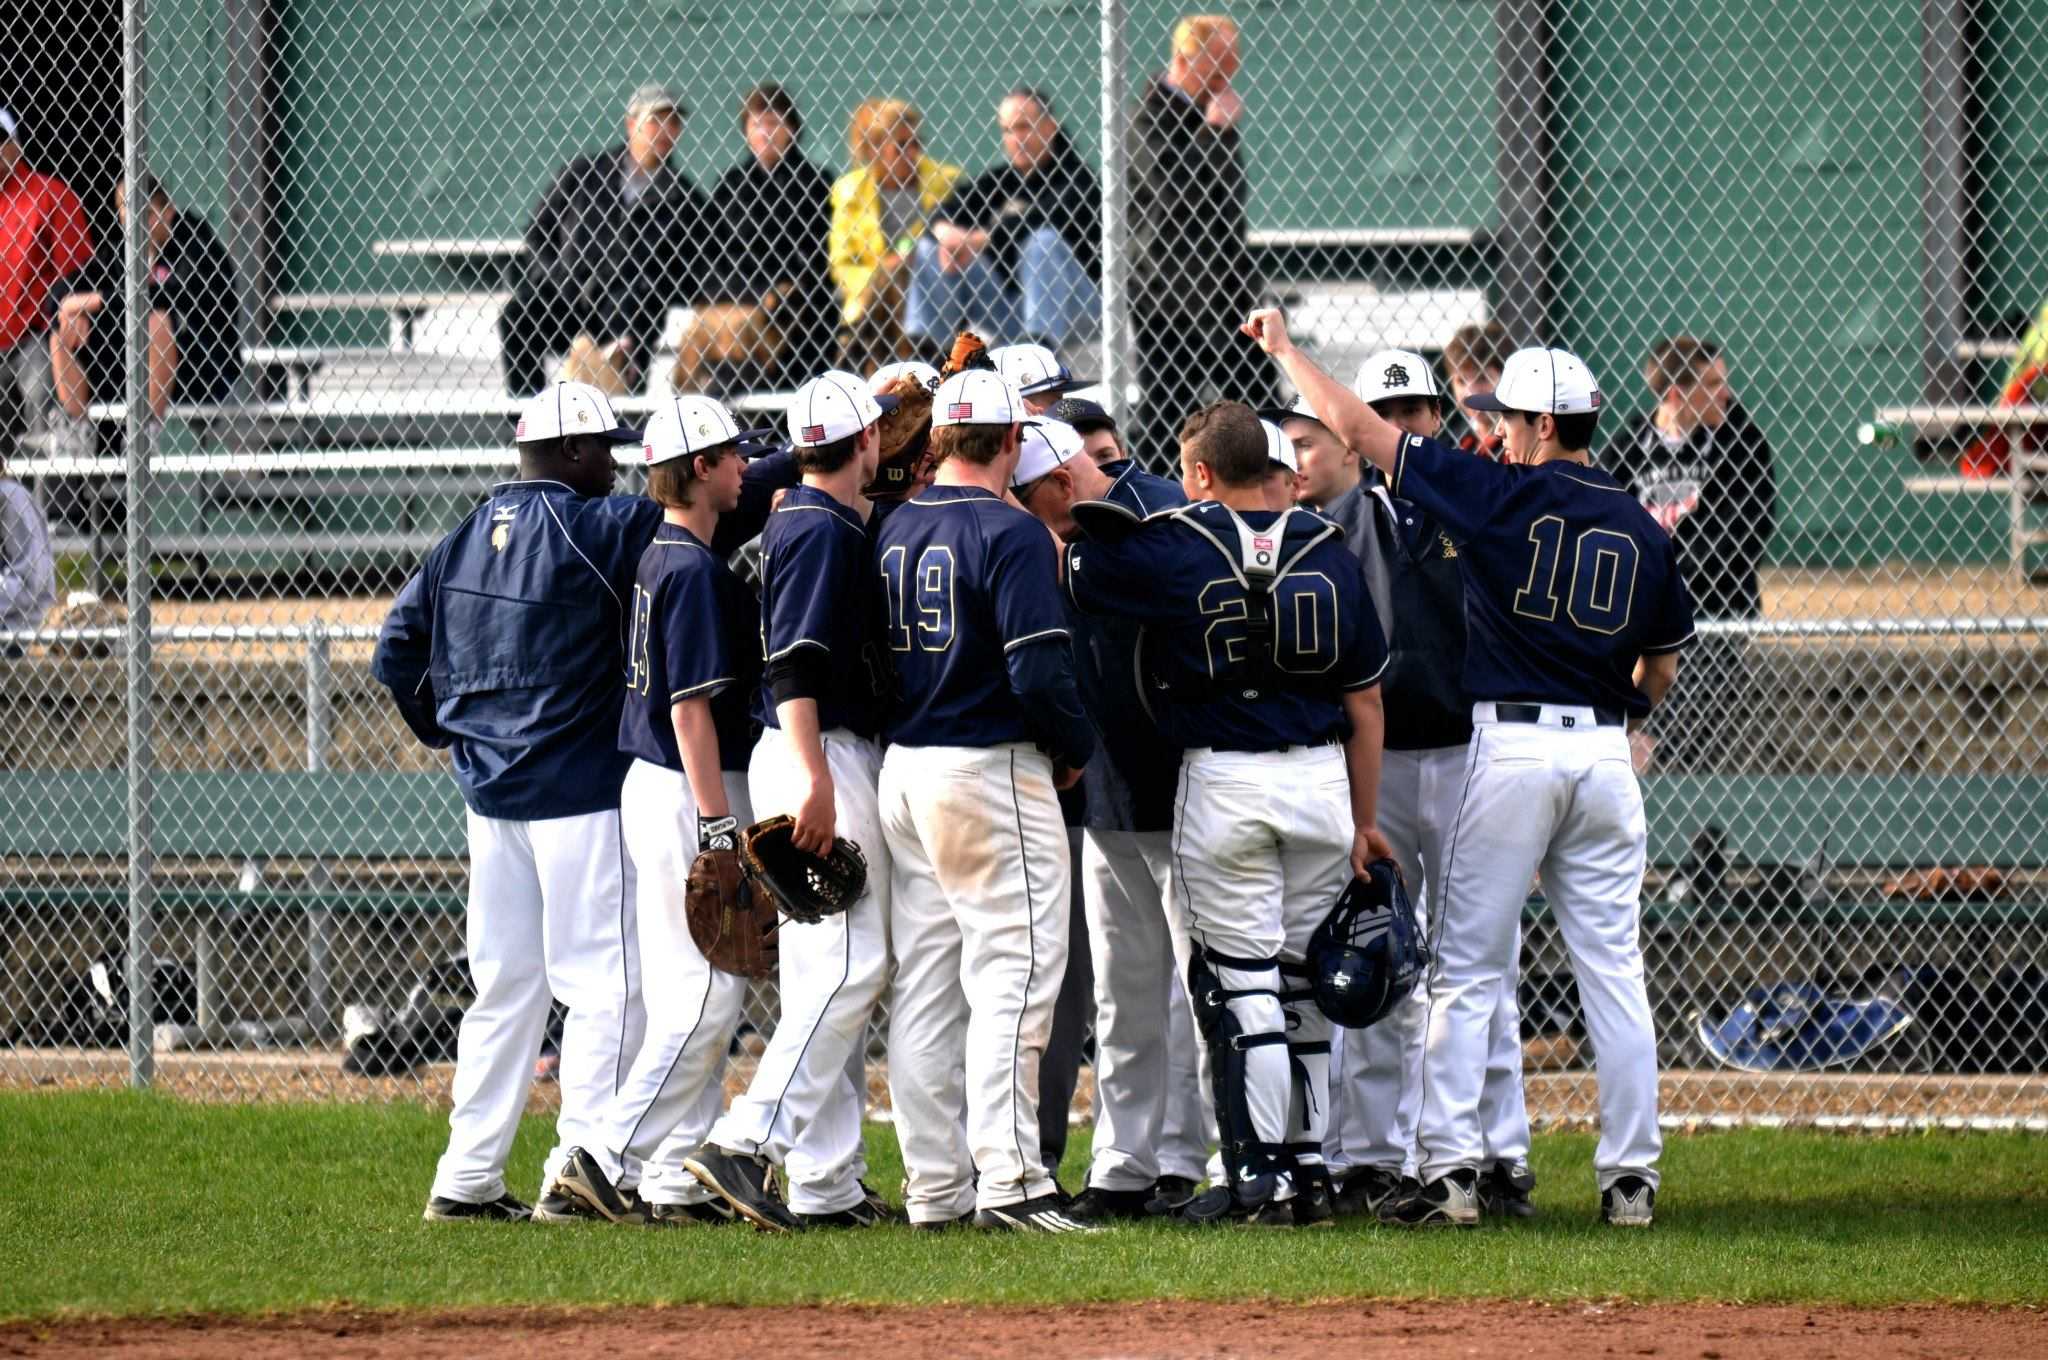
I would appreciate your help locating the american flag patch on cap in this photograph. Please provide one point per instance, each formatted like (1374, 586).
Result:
(960, 410)
(814, 434)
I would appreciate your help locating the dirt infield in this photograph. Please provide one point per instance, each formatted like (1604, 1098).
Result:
(1267, 1331)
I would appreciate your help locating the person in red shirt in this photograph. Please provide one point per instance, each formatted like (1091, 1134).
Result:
(43, 240)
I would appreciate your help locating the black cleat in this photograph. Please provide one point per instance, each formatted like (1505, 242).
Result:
(1504, 1191)
(559, 1206)
(1046, 1214)
(1630, 1202)
(934, 1225)
(503, 1209)
(715, 1212)
(1449, 1201)
(1098, 1205)
(871, 1202)
(1245, 1202)
(1314, 1203)
(859, 1216)
(744, 1181)
(1170, 1195)
(1367, 1190)
(584, 1181)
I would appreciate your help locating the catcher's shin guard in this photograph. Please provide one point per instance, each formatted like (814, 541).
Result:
(1308, 1055)
(1227, 992)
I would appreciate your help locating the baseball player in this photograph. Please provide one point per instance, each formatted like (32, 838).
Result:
(1376, 1086)
(694, 661)
(1576, 611)
(1263, 659)
(1038, 374)
(986, 726)
(817, 760)
(1150, 1146)
(1283, 473)
(507, 649)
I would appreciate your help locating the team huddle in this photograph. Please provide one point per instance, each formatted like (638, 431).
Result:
(1282, 719)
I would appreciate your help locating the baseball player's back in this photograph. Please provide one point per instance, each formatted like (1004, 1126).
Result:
(986, 721)
(1577, 611)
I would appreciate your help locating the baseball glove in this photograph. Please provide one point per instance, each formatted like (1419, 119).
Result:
(969, 351)
(732, 922)
(906, 440)
(807, 887)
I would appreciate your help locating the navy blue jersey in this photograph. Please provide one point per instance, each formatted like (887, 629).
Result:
(1567, 579)
(818, 613)
(1130, 783)
(695, 634)
(1424, 687)
(508, 648)
(1180, 575)
(972, 620)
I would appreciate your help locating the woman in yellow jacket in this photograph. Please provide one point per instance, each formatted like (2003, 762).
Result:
(879, 209)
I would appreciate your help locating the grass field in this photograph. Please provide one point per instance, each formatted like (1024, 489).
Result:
(130, 1204)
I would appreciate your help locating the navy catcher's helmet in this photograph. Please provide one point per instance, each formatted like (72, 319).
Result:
(1367, 955)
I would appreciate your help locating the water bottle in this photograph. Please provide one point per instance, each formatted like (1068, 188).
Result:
(1877, 436)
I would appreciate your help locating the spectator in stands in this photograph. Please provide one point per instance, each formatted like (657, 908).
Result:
(1703, 471)
(45, 241)
(1192, 274)
(880, 209)
(770, 320)
(1474, 356)
(613, 244)
(194, 352)
(28, 573)
(1019, 248)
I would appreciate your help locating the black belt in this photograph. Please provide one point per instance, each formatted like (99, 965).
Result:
(1277, 750)
(1533, 713)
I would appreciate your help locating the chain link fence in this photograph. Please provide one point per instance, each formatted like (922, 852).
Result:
(1802, 246)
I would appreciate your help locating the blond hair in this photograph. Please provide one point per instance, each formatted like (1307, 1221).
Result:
(1196, 31)
(876, 121)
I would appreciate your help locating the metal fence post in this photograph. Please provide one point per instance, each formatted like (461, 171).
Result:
(141, 904)
(1116, 265)
(319, 923)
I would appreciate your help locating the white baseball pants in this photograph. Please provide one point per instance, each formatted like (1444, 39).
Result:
(1376, 1082)
(978, 923)
(832, 973)
(1262, 848)
(1151, 1114)
(551, 907)
(669, 1098)
(1560, 801)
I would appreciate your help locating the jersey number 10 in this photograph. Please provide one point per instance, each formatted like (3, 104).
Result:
(1600, 590)
(928, 591)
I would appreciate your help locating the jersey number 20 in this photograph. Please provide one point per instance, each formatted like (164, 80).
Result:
(920, 602)
(1601, 584)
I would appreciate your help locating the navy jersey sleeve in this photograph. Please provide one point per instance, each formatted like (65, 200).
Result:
(688, 616)
(1671, 626)
(1463, 491)
(1100, 576)
(404, 656)
(615, 531)
(1037, 648)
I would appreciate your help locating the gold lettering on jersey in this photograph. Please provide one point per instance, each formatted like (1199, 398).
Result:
(500, 536)
(1450, 549)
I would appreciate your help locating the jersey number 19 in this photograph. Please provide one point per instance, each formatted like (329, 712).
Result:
(919, 601)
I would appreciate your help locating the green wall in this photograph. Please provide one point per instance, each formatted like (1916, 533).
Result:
(1745, 170)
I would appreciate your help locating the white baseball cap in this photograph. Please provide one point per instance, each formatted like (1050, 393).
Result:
(1280, 415)
(978, 397)
(926, 375)
(682, 427)
(1046, 445)
(1553, 381)
(1036, 370)
(833, 406)
(1279, 448)
(568, 409)
(1396, 373)
(9, 126)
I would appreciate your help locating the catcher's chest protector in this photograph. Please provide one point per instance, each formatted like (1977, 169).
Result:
(1260, 559)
